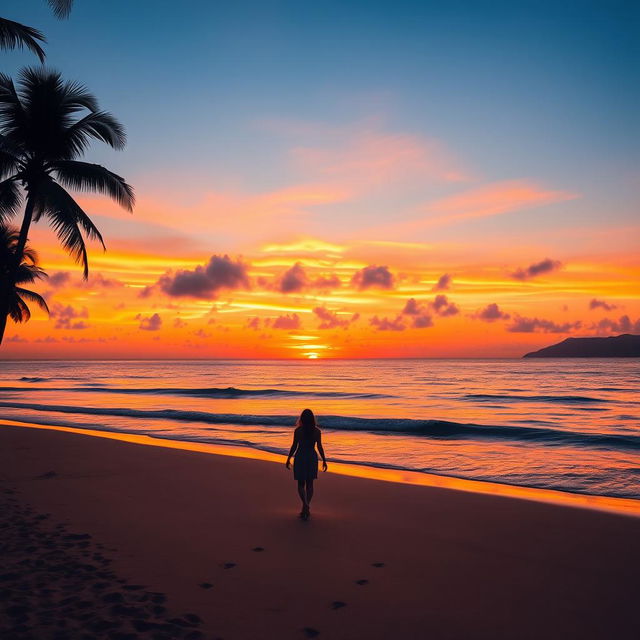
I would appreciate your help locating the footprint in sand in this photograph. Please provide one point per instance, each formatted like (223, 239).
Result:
(257, 549)
(206, 585)
(310, 632)
(48, 474)
(338, 604)
(377, 565)
(229, 565)
(362, 582)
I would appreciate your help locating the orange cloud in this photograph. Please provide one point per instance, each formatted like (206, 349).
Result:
(490, 200)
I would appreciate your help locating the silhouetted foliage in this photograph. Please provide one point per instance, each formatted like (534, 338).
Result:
(14, 35)
(46, 124)
(11, 278)
(42, 133)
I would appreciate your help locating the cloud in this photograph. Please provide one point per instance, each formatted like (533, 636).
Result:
(59, 279)
(331, 320)
(491, 313)
(495, 199)
(443, 284)
(67, 317)
(373, 276)
(98, 280)
(544, 266)
(178, 323)
(419, 311)
(623, 324)
(370, 158)
(443, 307)
(533, 325)
(152, 323)
(326, 283)
(420, 316)
(490, 200)
(205, 281)
(15, 338)
(422, 321)
(384, 324)
(295, 280)
(254, 323)
(287, 322)
(412, 308)
(601, 304)
(47, 340)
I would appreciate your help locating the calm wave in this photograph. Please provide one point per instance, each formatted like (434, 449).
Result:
(562, 424)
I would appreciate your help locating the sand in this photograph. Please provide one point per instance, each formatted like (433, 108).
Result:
(109, 539)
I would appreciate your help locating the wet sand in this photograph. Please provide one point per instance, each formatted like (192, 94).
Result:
(109, 539)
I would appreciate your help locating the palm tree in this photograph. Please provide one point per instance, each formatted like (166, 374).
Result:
(14, 35)
(28, 271)
(45, 125)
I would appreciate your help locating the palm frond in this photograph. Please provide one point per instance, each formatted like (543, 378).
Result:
(9, 164)
(10, 199)
(99, 125)
(12, 114)
(39, 84)
(28, 273)
(18, 309)
(32, 296)
(14, 35)
(84, 176)
(67, 217)
(61, 8)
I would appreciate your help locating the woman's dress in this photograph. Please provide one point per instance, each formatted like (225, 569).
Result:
(305, 461)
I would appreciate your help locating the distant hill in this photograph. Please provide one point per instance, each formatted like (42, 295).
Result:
(624, 346)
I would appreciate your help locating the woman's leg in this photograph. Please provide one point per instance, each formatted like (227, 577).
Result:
(309, 491)
(302, 493)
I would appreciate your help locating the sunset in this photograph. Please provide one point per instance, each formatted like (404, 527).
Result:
(227, 229)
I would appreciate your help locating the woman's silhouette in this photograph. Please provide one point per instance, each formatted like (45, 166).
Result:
(305, 463)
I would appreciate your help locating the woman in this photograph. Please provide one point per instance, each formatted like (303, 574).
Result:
(305, 464)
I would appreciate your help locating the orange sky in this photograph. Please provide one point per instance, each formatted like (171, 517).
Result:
(301, 296)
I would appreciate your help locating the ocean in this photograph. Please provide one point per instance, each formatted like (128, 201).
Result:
(570, 424)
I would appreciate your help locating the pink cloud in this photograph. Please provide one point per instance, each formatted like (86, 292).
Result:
(373, 276)
(372, 157)
(497, 198)
(287, 322)
(295, 280)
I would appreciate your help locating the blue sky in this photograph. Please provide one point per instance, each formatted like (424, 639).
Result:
(542, 88)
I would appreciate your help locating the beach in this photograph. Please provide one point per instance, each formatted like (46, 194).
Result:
(201, 545)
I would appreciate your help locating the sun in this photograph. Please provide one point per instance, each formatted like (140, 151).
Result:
(312, 356)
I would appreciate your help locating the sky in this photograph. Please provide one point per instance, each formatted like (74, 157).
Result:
(349, 179)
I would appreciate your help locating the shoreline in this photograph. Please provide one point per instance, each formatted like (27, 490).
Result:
(611, 504)
(219, 536)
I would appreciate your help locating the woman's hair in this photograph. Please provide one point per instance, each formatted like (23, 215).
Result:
(307, 421)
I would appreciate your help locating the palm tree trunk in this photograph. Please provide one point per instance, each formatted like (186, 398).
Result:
(24, 230)
(4, 307)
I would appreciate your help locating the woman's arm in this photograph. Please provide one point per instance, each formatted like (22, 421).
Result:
(294, 446)
(321, 451)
